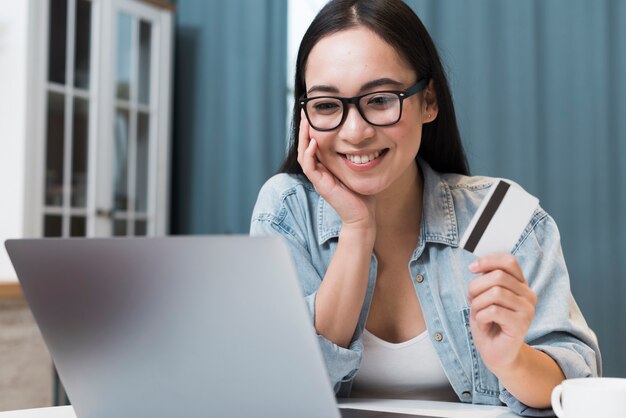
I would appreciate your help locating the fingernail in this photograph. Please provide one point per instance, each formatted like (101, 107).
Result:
(473, 267)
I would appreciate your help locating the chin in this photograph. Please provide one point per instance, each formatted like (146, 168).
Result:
(365, 188)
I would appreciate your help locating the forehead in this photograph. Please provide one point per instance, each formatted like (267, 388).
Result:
(350, 58)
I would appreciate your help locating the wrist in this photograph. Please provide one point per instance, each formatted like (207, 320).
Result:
(514, 366)
(360, 234)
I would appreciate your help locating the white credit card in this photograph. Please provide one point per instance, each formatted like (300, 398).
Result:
(500, 220)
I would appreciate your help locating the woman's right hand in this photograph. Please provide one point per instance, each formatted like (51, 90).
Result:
(356, 211)
(340, 297)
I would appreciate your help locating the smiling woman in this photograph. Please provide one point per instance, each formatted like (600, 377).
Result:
(365, 64)
(373, 196)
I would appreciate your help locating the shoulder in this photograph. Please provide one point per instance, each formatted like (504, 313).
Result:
(471, 190)
(287, 203)
(468, 192)
(280, 190)
(473, 184)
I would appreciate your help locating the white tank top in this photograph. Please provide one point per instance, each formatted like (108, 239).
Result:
(407, 370)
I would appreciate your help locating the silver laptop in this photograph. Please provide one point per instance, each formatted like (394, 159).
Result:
(211, 326)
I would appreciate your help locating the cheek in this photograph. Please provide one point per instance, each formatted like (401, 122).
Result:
(411, 115)
(406, 132)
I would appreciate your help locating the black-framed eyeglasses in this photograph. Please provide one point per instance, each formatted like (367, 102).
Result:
(380, 108)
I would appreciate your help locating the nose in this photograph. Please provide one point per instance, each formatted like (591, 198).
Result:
(354, 128)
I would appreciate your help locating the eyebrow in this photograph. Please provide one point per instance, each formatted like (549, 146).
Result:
(367, 86)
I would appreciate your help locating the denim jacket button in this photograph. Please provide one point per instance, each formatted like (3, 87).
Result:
(438, 336)
(419, 278)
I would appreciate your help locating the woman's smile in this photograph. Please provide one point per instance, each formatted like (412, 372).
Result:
(364, 161)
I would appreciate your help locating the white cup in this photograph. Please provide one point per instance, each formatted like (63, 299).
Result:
(590, 397)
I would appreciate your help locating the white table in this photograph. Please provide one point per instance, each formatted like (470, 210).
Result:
(53, 412)
(435, 409)
(431, 408)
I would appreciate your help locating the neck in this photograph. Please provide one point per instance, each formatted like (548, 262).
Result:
(400, 207)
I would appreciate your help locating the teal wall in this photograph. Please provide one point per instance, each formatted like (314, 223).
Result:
(540, 92)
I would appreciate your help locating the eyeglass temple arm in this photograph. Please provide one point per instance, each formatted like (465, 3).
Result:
(421, 85)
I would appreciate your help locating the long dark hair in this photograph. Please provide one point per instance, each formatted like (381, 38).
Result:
(400, 27)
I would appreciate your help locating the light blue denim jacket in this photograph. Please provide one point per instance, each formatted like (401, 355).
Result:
(288, 205)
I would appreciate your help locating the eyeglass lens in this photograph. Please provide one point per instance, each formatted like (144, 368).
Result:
(380, 108)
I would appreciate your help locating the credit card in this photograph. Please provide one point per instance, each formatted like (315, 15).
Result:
(500, 220)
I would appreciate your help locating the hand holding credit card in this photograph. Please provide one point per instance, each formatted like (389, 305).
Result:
(500, 220)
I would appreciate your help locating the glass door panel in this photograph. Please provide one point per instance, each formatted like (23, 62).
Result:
(141, 175)
(57, 46)
(78, 226)
(53, 226)
(145, 46)
(104, 123)
(55, 146)
(80, 148)
(68, 109)
(131, 150)
(82, 49)
(120, 170)
(124, 54)
(119, 228)
(140, 228)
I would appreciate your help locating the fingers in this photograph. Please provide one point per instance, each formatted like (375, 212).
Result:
(502, 280)
(510, 315)
(311, 168)
(316, 172)
(498, 298)
(303, 136)
(501, 295)
(505, 262)
(510, 322)
(306, 148)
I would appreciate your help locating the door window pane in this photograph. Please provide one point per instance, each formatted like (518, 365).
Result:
(140, 228)
(83, 41)
(80, 146)
(145, 46)
(54, 150)
(120, 165)
(119, 228)
(52, 226)
(77, 226)
(57, 41)
(141, 175)
(123, 56)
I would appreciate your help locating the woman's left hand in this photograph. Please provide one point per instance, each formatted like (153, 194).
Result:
(502, 306)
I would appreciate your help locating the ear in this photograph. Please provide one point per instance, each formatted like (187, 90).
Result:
(430, 108)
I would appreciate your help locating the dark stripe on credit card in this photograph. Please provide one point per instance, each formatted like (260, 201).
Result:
(487, 215)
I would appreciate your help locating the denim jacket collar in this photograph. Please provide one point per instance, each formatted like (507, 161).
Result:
(439, 223)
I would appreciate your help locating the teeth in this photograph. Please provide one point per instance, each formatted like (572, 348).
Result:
(363, 159)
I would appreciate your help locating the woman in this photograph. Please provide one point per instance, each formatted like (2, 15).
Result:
(372, 199)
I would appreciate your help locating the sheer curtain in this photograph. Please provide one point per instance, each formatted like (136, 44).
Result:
(229, 110)
(540, 92)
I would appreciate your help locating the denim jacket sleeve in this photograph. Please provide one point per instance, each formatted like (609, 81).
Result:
(558, 329)
(274, 215)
